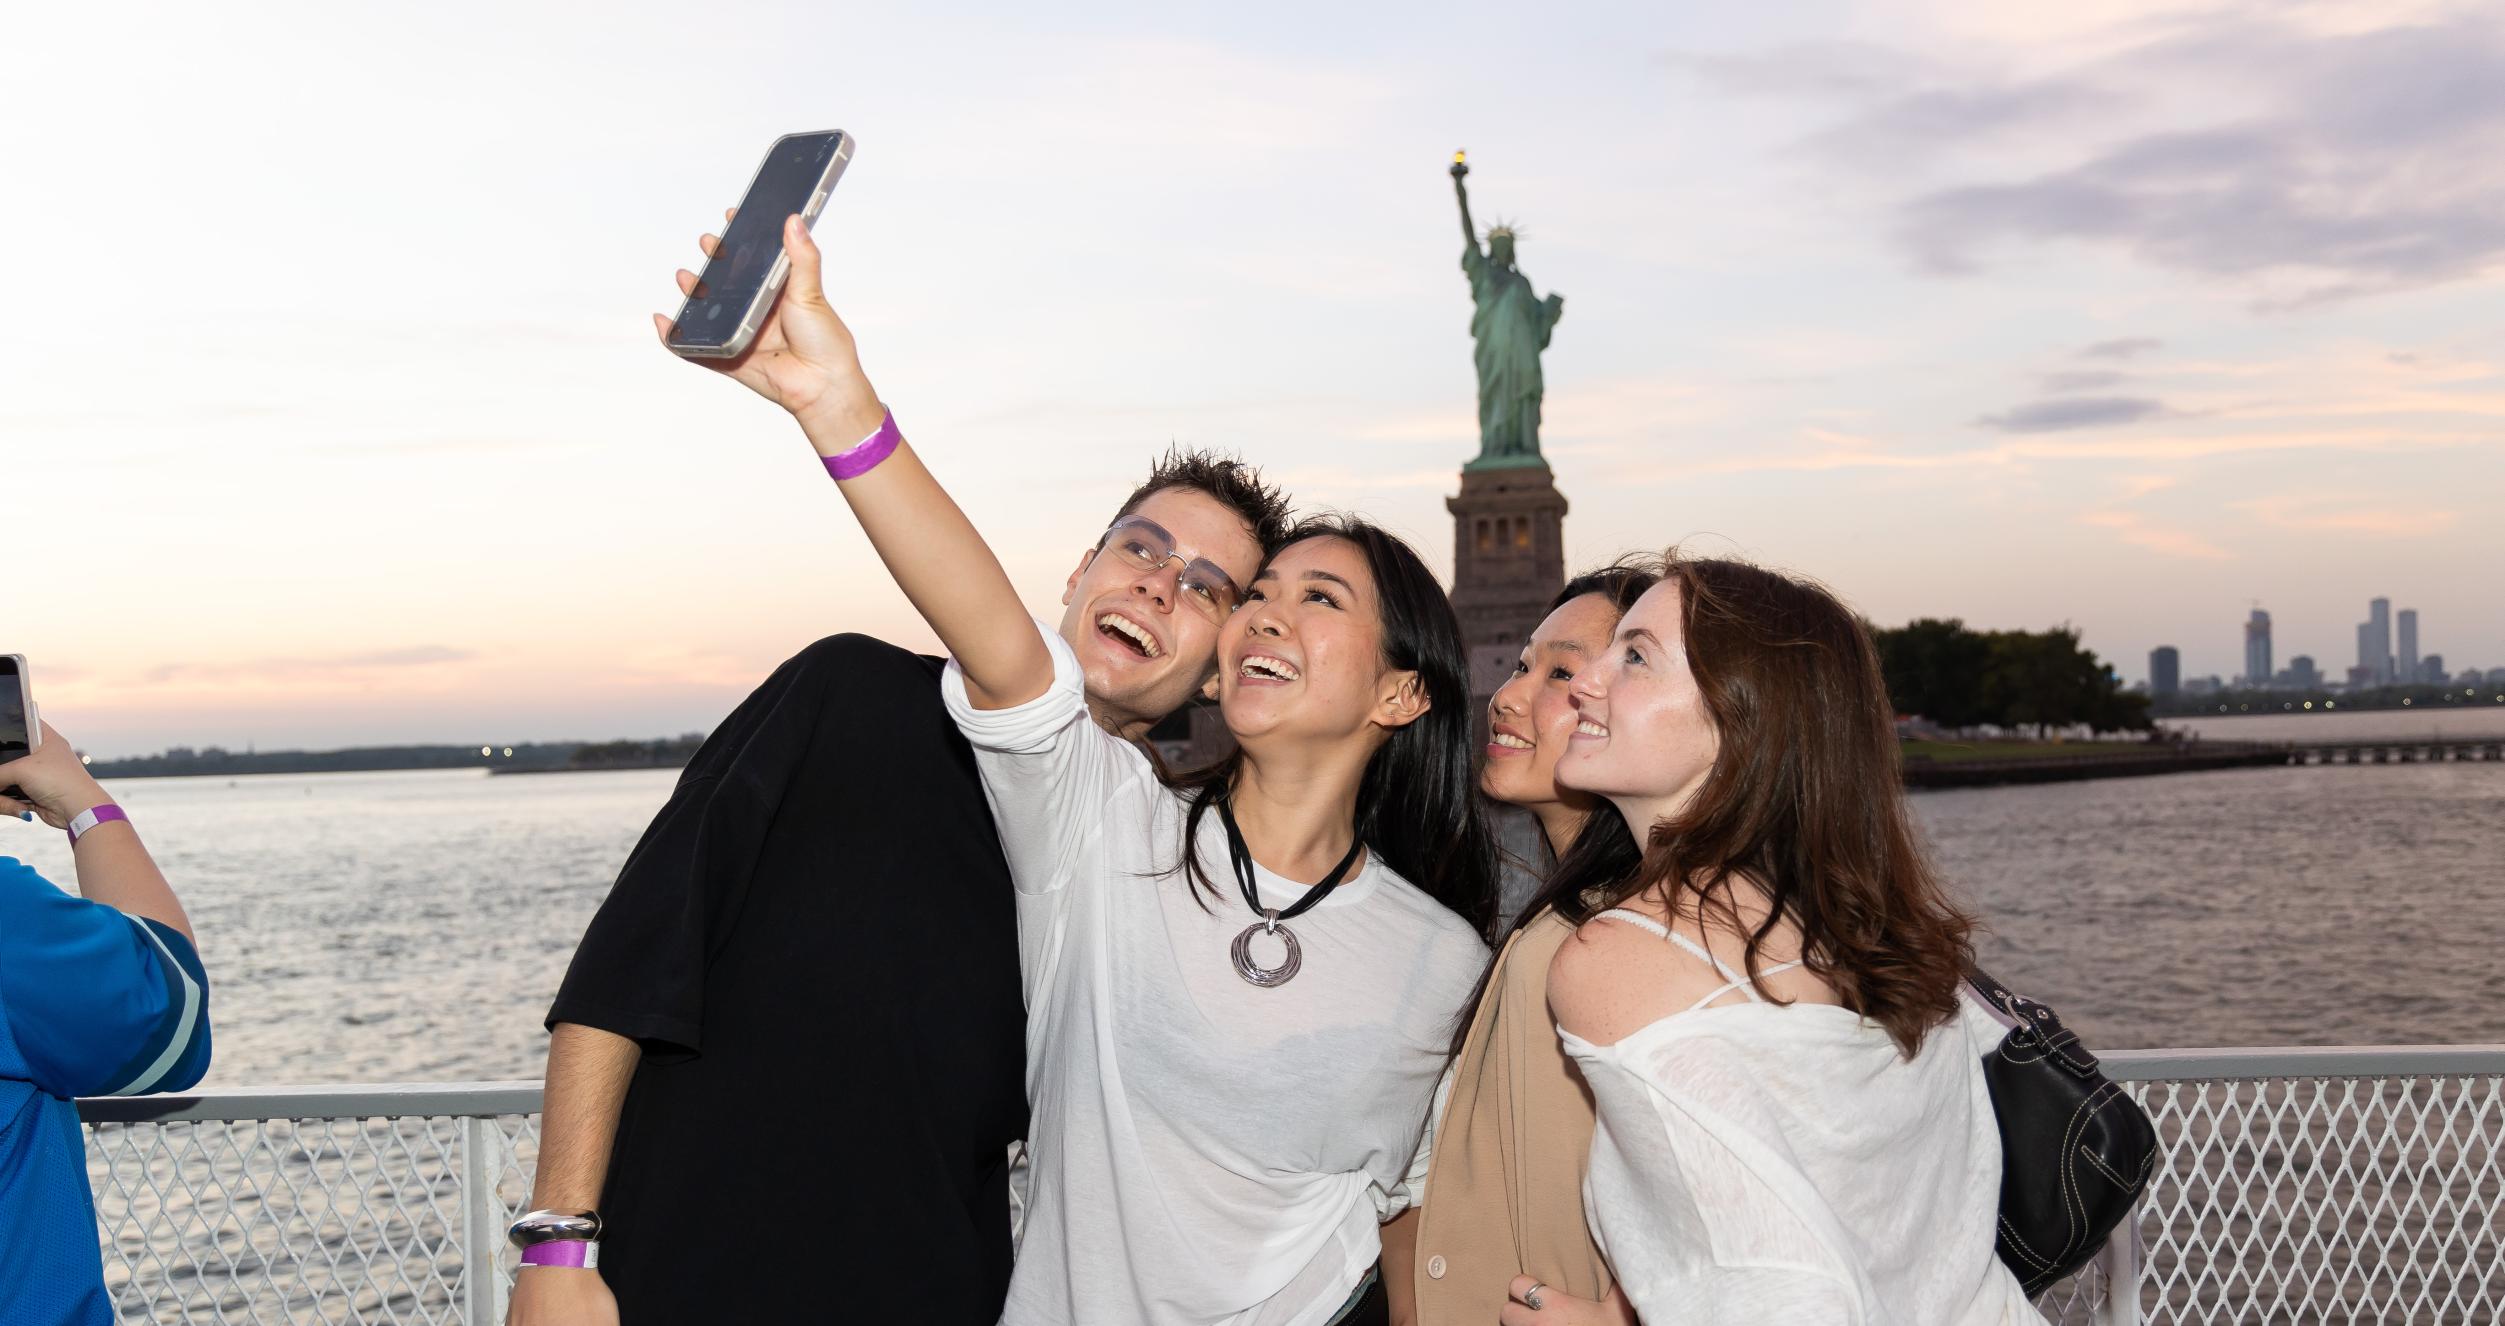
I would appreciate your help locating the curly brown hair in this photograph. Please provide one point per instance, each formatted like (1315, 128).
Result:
(1805, 801)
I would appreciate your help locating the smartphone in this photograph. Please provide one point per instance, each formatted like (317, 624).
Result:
(20, 730)
(738, 285)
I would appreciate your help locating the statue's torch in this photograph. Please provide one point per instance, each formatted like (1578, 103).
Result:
(1461, 164)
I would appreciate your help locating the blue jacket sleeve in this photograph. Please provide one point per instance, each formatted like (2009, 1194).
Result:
(99, 1003)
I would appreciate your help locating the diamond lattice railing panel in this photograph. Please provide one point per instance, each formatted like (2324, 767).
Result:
(2300, 1200)
(2077, 1301)
(2326, 1199)
(347, 1221)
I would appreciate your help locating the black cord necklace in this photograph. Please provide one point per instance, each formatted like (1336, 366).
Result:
(1271, 917)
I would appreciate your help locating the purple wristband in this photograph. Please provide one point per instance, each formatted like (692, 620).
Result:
(87, 820)
(865, 457)
(561, 1252)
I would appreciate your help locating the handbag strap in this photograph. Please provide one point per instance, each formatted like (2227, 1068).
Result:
(2038, 1030)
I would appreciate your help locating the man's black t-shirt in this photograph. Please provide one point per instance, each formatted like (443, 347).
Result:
(816, 945)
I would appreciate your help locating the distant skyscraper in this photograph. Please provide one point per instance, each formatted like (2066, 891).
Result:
(2409, 646)
(2257, 650)
(2431, 669)
(2302, 675)
(2379, 620)
(2165, 671)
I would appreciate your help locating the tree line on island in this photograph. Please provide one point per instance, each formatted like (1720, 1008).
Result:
(528, 757)
(1960, 679)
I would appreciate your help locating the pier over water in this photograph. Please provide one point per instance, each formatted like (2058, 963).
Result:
(2420, 750)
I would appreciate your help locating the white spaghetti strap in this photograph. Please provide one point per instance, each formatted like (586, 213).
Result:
(1695, 949)
(1741, 986)
(1736, 981)
(1699, 952)
(1636, 919)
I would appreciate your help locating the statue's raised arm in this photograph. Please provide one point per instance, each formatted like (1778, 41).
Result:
(1469, 233)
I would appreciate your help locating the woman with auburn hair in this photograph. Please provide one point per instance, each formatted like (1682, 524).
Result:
(1762, 990)
(1503, 1194)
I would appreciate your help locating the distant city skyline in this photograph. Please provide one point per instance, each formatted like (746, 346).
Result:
(2377, 662)
(351, 430)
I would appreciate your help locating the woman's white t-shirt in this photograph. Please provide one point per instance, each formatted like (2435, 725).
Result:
(1200, 1150)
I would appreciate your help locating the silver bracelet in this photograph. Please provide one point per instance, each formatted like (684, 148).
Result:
(537, 1227)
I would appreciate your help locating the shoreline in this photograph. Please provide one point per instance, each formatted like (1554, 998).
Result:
(495, 771)
(1925, 774)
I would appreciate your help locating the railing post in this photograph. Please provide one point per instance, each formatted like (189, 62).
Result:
(481, 1284)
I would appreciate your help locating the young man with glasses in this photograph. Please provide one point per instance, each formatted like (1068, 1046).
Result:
(788, 1061)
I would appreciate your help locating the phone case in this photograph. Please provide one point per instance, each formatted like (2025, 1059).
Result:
(754, 317)
(26, 700)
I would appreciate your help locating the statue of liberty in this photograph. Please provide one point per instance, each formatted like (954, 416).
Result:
(1511, 327)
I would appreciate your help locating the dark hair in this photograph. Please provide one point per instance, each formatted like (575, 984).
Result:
(1224, 479)
(1621, 582)
(1805, 800)
(1417, 804)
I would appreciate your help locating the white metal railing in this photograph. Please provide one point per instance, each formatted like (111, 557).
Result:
(2311, 1185)
(2296, 1185)
(344, 1205)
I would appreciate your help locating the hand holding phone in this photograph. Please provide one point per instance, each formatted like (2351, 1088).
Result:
(52, 782)
(801, 357)
(728, 302)
(38, 770)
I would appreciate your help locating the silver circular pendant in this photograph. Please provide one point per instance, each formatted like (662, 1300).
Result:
(1266, 977)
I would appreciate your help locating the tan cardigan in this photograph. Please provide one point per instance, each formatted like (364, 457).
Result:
(1504, 1190)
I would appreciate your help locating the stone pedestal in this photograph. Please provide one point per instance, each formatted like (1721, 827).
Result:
(1509, 560)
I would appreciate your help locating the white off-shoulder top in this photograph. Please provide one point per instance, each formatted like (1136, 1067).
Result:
(1756, 1162)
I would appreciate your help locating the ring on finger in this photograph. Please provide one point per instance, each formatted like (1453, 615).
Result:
(1531, 1296)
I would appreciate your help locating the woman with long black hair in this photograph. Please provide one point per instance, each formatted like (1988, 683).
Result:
(1240, 984)
(1505, 1195)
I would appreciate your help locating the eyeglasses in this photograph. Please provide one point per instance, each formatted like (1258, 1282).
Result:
(1143, 545)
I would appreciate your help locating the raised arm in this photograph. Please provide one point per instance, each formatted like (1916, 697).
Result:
(804, 360)
(1469, 233)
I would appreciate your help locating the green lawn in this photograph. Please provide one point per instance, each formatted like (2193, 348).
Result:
(1951, 752)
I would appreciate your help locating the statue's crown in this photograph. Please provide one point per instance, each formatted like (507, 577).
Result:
(1501, 230)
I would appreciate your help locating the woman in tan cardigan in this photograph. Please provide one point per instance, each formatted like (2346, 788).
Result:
(1501, 1236)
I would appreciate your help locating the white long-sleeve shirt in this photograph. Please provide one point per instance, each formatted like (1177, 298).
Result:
(1201, 1150)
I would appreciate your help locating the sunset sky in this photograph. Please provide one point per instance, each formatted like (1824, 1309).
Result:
(330, 414)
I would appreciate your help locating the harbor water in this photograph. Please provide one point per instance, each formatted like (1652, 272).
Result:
(412, 926)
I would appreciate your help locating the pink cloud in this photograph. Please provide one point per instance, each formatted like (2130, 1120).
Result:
(2135, 529)
(2335, 515)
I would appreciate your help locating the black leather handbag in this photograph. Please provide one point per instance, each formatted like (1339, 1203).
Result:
(2076, 1150)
